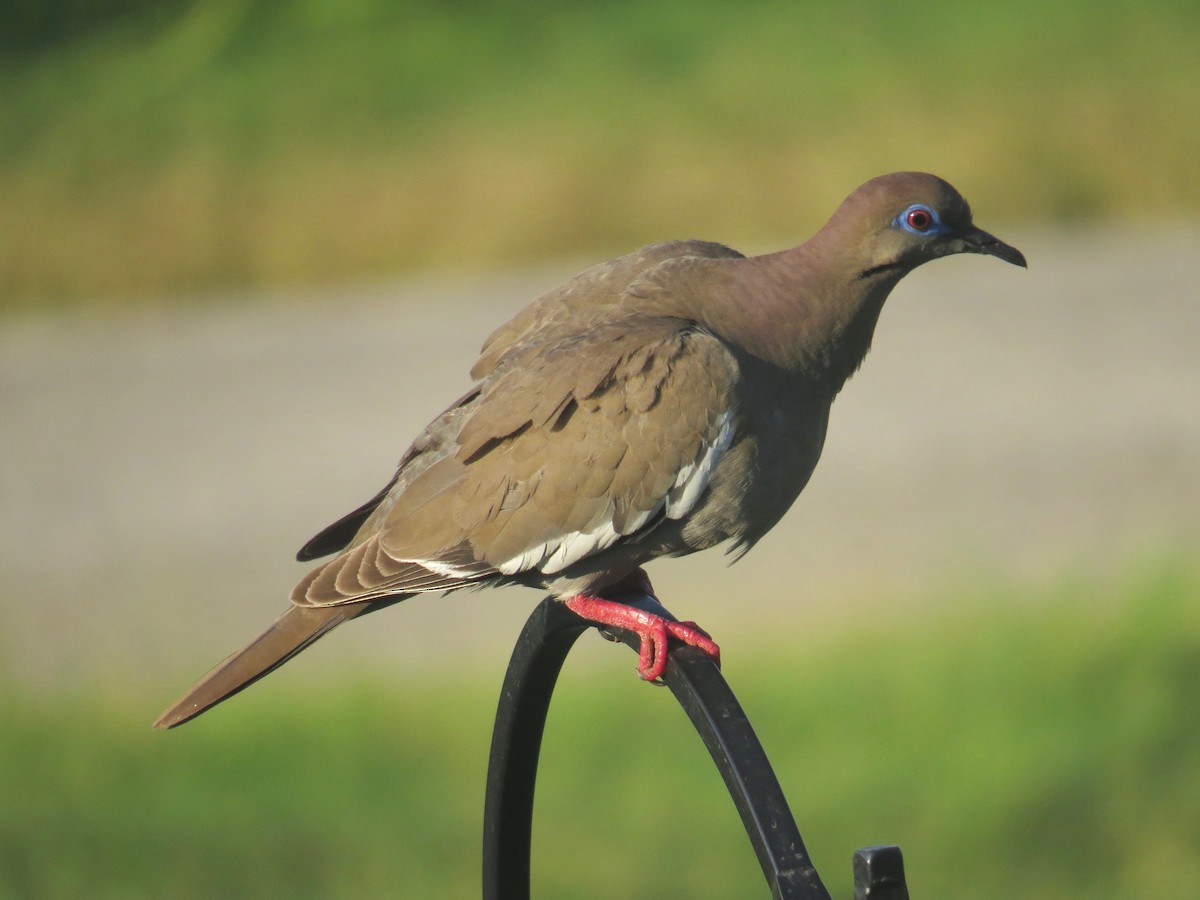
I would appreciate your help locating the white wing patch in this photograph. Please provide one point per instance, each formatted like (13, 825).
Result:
(693, 479)
(557, 555)
(560, 552)
(444, 569)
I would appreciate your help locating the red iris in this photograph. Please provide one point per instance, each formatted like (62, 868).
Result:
(919, 219)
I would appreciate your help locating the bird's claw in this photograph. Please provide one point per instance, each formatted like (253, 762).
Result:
(652, 655)
(654, 631)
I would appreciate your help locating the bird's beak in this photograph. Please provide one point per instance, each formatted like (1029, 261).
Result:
(978, 241)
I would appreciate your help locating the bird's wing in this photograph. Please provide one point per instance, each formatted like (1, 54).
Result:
(570, 447)
(582, 302)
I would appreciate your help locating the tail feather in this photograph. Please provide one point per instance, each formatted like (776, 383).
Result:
(291, 633)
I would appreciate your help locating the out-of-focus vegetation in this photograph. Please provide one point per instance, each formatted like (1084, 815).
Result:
(153, 148)
(1038, 746)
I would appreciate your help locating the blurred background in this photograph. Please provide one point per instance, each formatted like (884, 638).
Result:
(249, 247)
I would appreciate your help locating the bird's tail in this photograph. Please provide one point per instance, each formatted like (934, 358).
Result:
(291, 633)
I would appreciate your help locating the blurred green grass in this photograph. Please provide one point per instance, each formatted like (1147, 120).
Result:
(149, 149)
(1015, 744)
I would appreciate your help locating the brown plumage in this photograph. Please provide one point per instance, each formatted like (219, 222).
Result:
(658, 404)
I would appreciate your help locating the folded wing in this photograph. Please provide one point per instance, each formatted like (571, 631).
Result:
(569, 447)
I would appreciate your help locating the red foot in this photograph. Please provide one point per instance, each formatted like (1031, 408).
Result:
(653, 630)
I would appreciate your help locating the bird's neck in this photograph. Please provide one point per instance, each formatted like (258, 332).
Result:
(806, 314)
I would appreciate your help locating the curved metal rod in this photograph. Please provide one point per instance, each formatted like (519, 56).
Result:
(705, 696)
(538, 656)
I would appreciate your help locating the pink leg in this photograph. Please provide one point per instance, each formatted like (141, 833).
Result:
(653, 631)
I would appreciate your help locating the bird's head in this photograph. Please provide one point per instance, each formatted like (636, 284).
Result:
(896, 222)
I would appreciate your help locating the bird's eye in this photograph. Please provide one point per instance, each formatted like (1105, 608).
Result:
(919, 218)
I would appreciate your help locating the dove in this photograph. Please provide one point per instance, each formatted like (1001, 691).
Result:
(672, 400)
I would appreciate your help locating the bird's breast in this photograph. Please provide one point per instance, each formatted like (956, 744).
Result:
(767, 465)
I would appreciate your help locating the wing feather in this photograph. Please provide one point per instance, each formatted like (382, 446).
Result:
(569, 448)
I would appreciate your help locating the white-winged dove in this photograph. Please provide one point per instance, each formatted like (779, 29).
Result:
(658, 404)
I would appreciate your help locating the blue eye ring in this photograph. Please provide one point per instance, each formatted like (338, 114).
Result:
(919, 219)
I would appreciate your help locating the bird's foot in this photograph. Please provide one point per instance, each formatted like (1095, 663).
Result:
(653, 630)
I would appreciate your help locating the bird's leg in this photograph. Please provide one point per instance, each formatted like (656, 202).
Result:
(653, 630)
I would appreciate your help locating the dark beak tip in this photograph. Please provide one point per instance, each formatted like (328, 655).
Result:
(983, 242)
(1017, 258)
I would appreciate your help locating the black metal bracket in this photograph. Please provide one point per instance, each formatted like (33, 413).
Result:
(706, 697)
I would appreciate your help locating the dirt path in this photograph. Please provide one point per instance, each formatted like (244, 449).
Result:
(158, 472)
